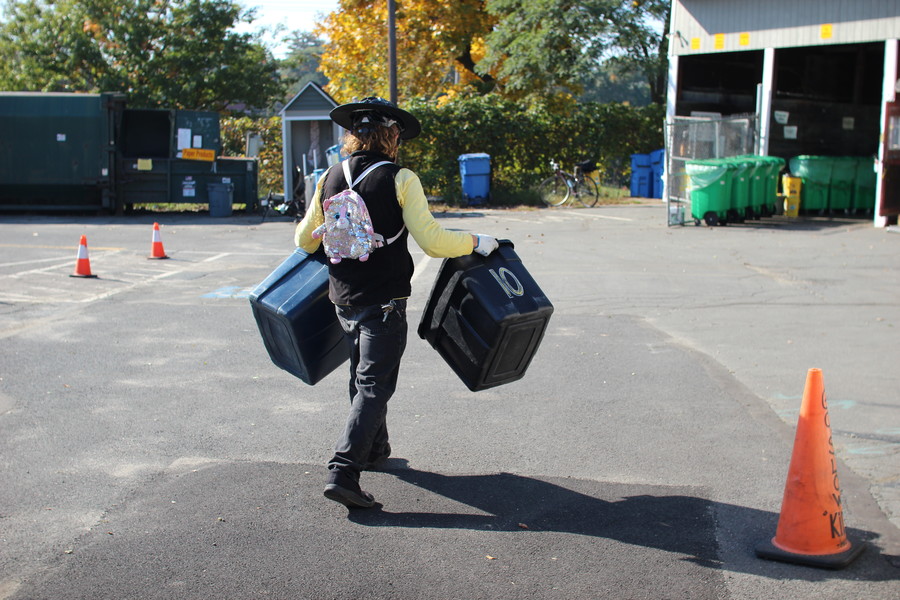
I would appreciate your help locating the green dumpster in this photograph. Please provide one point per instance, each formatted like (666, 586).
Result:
(843, 178)
(55, 150)
(815, 171)
(864, 185)
(710, 190)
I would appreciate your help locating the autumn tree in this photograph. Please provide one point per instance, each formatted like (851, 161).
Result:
(172, 53)
(439, 45)
(544, 50)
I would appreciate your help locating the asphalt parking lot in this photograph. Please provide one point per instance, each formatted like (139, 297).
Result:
(152, 450)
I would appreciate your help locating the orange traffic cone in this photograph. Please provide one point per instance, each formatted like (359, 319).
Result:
(156, 249)
(82, 262)
(811, 526)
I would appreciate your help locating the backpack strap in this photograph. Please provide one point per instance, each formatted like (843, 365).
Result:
(352, 184)
(379, 239)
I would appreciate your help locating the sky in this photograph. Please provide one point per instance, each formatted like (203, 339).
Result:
(292, 14)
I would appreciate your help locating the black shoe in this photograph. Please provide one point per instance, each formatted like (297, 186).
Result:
(348, 497)
(376, 461)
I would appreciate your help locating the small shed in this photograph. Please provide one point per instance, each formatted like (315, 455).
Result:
(307, 132)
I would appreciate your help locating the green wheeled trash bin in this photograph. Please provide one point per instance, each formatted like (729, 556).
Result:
(843, 178)
(756, 183)
(710, 190)
(740, 188)
(864, 186)
(774, 166)
(815, 171)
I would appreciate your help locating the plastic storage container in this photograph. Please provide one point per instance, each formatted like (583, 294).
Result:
(475, 171)
(296, 319)
(710, 189)
(640, 176)
(815, 171)
(221, 197)
(486, 317)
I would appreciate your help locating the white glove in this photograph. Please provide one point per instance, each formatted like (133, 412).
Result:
(485, 244)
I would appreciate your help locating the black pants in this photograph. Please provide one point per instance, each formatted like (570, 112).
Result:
(377, 339)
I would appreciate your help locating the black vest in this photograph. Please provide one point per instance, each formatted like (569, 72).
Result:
(387, 273)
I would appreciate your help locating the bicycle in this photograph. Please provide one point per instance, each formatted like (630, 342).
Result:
(275, 204)
(562, 187)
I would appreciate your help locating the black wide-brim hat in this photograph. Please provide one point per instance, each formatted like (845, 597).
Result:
(349, 115)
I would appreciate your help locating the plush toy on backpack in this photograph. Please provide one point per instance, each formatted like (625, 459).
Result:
(347, 231)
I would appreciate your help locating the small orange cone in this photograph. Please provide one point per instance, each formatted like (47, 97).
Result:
(811, 525)
(156, 249)
(82, 262)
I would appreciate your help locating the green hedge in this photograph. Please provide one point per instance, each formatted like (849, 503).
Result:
(520, 140)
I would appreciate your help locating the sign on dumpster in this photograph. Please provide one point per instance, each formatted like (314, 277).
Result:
(198, 154)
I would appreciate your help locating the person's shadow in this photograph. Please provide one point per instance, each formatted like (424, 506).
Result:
(681, 524)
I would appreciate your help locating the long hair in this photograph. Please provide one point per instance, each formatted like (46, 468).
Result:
(375, 139)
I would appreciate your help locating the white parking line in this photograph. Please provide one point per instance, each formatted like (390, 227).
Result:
(69, 262)
(216, 257)
(593, 216)
(35, 261)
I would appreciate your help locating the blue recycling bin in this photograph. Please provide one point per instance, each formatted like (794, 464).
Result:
(640, 176)
(486, 317)
(657, 168)
(475, 171)
(296, 320)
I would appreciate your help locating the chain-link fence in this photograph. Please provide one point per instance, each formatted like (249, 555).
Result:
(691, 138)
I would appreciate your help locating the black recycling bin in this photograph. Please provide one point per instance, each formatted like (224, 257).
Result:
(221, 199)
(297, 320)
(486, 317)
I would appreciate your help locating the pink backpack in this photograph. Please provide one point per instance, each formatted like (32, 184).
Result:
(347, 231)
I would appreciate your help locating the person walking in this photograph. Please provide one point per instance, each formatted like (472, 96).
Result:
(370, 295)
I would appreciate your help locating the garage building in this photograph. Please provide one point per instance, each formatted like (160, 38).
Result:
(813, 77)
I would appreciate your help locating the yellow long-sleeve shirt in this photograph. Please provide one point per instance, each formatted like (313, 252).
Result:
(429, 235)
